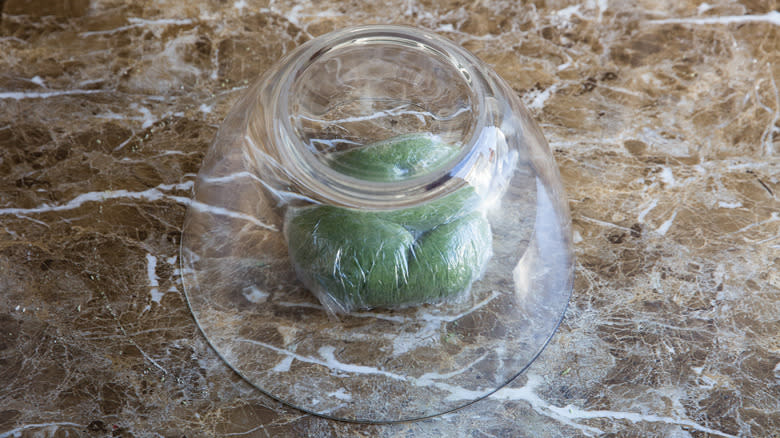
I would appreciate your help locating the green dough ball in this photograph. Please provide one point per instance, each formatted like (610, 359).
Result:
(355, 258)
(421, 254)
(446, 260)
(394, 159)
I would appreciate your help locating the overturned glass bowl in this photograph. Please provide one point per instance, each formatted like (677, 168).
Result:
(378, 232)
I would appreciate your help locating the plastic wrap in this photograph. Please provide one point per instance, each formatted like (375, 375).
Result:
(353, 259)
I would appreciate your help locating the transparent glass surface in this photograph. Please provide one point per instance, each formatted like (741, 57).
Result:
(330, 324)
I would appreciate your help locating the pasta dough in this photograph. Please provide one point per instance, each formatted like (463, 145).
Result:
(355, 259)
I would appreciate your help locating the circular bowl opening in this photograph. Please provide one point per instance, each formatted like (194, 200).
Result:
(376, 87)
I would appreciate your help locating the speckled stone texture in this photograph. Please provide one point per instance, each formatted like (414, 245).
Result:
(663, 117)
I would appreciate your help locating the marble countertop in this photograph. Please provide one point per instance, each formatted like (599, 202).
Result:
(663, 118)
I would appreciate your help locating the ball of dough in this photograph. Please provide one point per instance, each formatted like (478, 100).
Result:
(354, 259)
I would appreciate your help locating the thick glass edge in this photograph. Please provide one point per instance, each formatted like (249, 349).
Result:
(376, 195)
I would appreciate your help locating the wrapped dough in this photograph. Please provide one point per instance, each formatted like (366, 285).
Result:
(356, 259)
(348, 258)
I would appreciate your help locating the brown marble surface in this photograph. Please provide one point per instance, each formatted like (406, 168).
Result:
(663, 117)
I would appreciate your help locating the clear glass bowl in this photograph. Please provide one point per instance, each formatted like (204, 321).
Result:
(330, 255)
